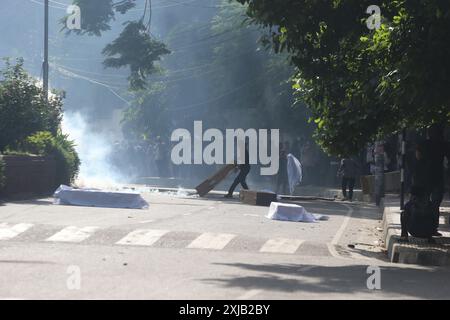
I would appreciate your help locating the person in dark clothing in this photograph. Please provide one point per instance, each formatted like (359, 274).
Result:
(417, 218)
(282, 176)
(348, 171)
(244, 170)
(433, 152)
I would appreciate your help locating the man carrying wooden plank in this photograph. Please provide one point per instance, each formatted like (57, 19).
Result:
(244, 170)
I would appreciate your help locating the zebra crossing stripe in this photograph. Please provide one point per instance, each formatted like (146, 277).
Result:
(213, 241)
(8, 232)
(281, 245)
(73, 234)
(142, 237)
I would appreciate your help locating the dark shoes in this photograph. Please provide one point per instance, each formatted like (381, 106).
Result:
(228, 196)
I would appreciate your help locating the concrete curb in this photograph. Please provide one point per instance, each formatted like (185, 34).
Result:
(417, 251)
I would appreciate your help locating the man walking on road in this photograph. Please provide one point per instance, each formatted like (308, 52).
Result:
(348, 171)
(282, 177)
(244, 170)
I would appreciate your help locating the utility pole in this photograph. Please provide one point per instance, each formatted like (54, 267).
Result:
(379, 172)
(45, 64)
(402, 172)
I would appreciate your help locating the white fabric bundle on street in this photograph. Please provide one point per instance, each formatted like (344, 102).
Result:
(292, 212)
(295, 173)
(65, 195)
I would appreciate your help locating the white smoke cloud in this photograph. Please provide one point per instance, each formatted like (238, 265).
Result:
(95, 150)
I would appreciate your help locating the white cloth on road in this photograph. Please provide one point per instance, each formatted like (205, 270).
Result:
(295, 173)
(65, 195)
(292, 212)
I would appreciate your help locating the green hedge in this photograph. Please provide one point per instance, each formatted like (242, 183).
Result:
(59, 146)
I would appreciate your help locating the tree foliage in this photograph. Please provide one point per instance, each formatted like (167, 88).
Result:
(134, 48)
(23, 108)
(61, 148)
(219, 74)
(362, 83)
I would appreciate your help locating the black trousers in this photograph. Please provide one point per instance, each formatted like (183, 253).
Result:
(436, 195)
(240, 179)
(282, 181)
(350, 182)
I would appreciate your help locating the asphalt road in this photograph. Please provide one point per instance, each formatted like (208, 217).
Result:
(190, 248)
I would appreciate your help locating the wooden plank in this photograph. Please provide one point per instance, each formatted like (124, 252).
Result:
(210, 183)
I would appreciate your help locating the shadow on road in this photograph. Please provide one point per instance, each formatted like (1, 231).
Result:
(37, 202)
(413, 283)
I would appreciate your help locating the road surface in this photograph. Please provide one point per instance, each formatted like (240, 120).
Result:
(190, 248)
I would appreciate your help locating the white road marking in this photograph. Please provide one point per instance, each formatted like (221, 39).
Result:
(344, 224)
(8, 232)
(143, 237)
(214, 241)
(73, 234)
(249, 294)
(251, 215)
(281, 245)
(147, 221)
(340, 232)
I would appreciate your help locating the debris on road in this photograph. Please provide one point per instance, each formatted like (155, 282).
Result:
(258, 198)
(292, 212)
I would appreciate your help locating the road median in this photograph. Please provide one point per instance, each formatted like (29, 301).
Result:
(416, 251)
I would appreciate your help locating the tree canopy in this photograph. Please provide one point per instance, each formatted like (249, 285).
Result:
(361, 83)
(23, 108)
(218, 73)
(135, 47)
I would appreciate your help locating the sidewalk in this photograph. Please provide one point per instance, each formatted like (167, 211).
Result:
(417, 251)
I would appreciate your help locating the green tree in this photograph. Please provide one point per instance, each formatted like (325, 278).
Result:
(361, 83)
(23, 109)
(217, 73)
(61, 148)
(134, 48)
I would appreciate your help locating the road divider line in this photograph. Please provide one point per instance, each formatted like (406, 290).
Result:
(281, 245)
(142, 237)
(249, 294)
(73, 234)
(213, 241)
(8, 232)
(343, 226)
(337, 237)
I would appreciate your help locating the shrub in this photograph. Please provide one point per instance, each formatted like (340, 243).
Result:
(61, 148)
(23, 109)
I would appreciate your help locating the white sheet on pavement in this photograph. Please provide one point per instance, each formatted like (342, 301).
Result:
(292, 212)
(65, 195)
(295, 173)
